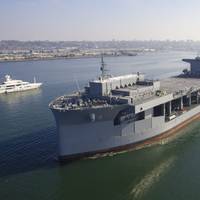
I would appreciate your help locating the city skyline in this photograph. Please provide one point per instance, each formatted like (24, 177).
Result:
(95, 20)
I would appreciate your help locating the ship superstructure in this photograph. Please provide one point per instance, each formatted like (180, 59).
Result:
(10, 85)
(116, 113)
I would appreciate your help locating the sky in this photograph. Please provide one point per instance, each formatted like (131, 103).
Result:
(99, 20)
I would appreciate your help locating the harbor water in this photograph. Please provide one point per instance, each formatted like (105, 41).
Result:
(28, 142)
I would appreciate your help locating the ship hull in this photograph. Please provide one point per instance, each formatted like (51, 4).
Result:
(130, 147)
(76, 141)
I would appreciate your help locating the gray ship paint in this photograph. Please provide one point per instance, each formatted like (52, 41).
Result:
(114, 112)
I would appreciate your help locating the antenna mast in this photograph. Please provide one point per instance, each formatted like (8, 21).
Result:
(103, 70)
(77, 84)
(198, 56)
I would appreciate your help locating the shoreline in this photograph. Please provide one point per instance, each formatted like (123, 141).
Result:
(62, 58)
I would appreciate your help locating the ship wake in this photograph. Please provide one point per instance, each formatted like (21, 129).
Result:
(151, 178)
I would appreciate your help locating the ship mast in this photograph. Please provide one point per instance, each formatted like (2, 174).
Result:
(103, 69)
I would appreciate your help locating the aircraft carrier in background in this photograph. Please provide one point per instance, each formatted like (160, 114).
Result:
(117, 113)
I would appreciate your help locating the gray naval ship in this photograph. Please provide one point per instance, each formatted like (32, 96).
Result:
(118, 113)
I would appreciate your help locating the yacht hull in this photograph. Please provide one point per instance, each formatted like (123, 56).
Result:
(31, 86)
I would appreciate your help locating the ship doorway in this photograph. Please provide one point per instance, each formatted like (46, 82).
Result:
(158, 110)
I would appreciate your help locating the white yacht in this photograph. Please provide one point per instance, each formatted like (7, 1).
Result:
(10, 85)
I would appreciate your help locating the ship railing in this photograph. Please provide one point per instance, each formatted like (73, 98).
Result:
(68, 103)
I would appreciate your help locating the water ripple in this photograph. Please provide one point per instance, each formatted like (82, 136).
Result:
(28, 152)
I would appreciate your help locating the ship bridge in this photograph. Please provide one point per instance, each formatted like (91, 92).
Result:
(104, 87)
